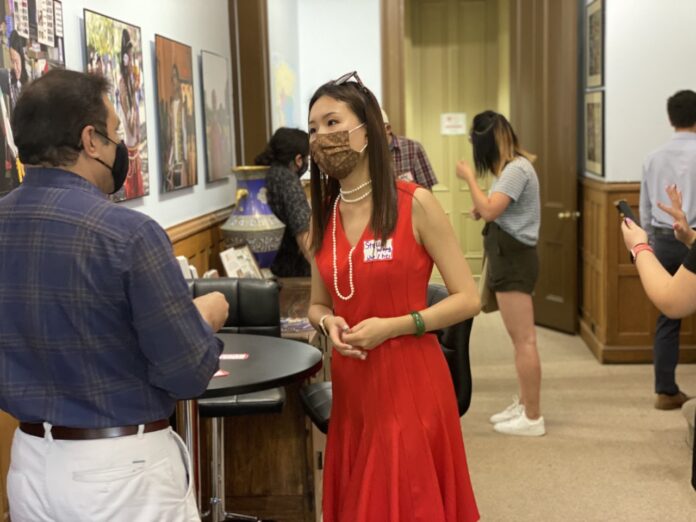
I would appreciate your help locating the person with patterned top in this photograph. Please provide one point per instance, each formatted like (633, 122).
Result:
(410, 160)
(286, 153)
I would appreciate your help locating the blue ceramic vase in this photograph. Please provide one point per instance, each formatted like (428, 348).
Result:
(252, 221)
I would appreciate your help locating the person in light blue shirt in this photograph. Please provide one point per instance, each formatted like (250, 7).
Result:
(674, 163)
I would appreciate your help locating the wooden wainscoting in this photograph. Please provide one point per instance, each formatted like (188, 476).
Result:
(617, 321)
(7, 428)
(200, 240)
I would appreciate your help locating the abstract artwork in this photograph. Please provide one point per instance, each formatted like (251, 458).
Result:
(217, 96)
(594, 38)
(594, 132)
(31, 43)
(177, 125)
(114, 50)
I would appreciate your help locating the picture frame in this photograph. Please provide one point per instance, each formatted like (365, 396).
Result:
(217, 116)
(176, 114)
(240, 262)
(594, 44)
(114, 49)
(593, 110)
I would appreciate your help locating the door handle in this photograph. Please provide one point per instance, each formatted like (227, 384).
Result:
(568, 214)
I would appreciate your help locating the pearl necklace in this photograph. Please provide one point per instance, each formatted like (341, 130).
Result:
(355, 200)
(353, 191)
(350, 260)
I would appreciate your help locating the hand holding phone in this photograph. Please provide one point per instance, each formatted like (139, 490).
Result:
(625, 211)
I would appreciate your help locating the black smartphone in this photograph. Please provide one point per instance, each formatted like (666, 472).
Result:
(625, 211)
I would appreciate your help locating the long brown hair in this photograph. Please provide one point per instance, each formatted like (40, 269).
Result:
(363, 104)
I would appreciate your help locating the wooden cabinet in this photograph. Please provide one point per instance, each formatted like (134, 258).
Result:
(273, 461)
(617, 321)
(7, 429)
(200, 240)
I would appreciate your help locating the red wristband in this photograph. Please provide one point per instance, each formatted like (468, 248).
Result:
(639, 248)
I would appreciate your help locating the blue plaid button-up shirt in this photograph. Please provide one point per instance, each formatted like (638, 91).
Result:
(97, 325)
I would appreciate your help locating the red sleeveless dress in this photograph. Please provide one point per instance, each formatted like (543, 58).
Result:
(395, 451)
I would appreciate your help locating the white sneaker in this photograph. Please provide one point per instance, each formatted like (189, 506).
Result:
(521, 425)
(512, 411)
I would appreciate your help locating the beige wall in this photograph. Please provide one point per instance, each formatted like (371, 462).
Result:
(457, 59)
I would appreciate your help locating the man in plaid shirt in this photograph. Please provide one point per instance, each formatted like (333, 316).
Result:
(99, 335)
(410, 160)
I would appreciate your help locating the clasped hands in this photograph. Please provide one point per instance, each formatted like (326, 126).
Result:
(358, 340)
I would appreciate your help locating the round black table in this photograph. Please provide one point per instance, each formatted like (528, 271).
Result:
(271, 362)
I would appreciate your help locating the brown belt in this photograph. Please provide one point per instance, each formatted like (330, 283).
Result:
(63, 433)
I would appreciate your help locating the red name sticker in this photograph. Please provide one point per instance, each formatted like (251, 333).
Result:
(234, 356)
(221, 373)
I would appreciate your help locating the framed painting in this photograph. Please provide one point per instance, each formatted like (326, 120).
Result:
(594, 44)
(31, 43)
(177, 117)
(240, 262)
(217, 112)
(594, 132)
(114, 49)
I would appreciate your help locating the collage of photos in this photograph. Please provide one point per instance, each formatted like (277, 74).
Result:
(31, 43)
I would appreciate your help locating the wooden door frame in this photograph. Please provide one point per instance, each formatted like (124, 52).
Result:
(248, 21)
(393, 62)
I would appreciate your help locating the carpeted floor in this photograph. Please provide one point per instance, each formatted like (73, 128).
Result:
(608, 455)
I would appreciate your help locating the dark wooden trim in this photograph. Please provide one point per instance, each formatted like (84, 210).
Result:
(197, 225)
(393, 66)
(636, 354)
(605, 186)
(252, 90)
(236, 98)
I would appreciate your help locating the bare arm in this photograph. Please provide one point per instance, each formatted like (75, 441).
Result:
(674, 295)
(433, 229)
(489, 208)
(435, 232)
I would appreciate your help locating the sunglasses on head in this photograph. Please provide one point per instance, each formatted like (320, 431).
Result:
(344, 79)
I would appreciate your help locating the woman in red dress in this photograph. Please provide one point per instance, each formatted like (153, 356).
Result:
(395, 451)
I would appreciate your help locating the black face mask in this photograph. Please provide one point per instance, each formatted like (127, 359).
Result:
(119, 170)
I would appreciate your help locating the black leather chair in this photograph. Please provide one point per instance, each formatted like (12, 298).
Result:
(254, 303)
(454, 341)
(254, 309)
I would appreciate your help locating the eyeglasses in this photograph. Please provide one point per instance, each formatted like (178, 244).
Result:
(344, 79)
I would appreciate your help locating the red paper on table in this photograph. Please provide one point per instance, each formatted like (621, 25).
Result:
(221, 373)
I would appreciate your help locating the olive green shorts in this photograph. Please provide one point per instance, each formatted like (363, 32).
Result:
(512, 265)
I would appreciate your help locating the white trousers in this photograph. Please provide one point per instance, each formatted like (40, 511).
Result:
(139, 478)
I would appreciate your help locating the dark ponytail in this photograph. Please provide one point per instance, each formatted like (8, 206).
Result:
(284, 146)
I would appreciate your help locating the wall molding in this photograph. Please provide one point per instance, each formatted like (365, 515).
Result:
(196, 225)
